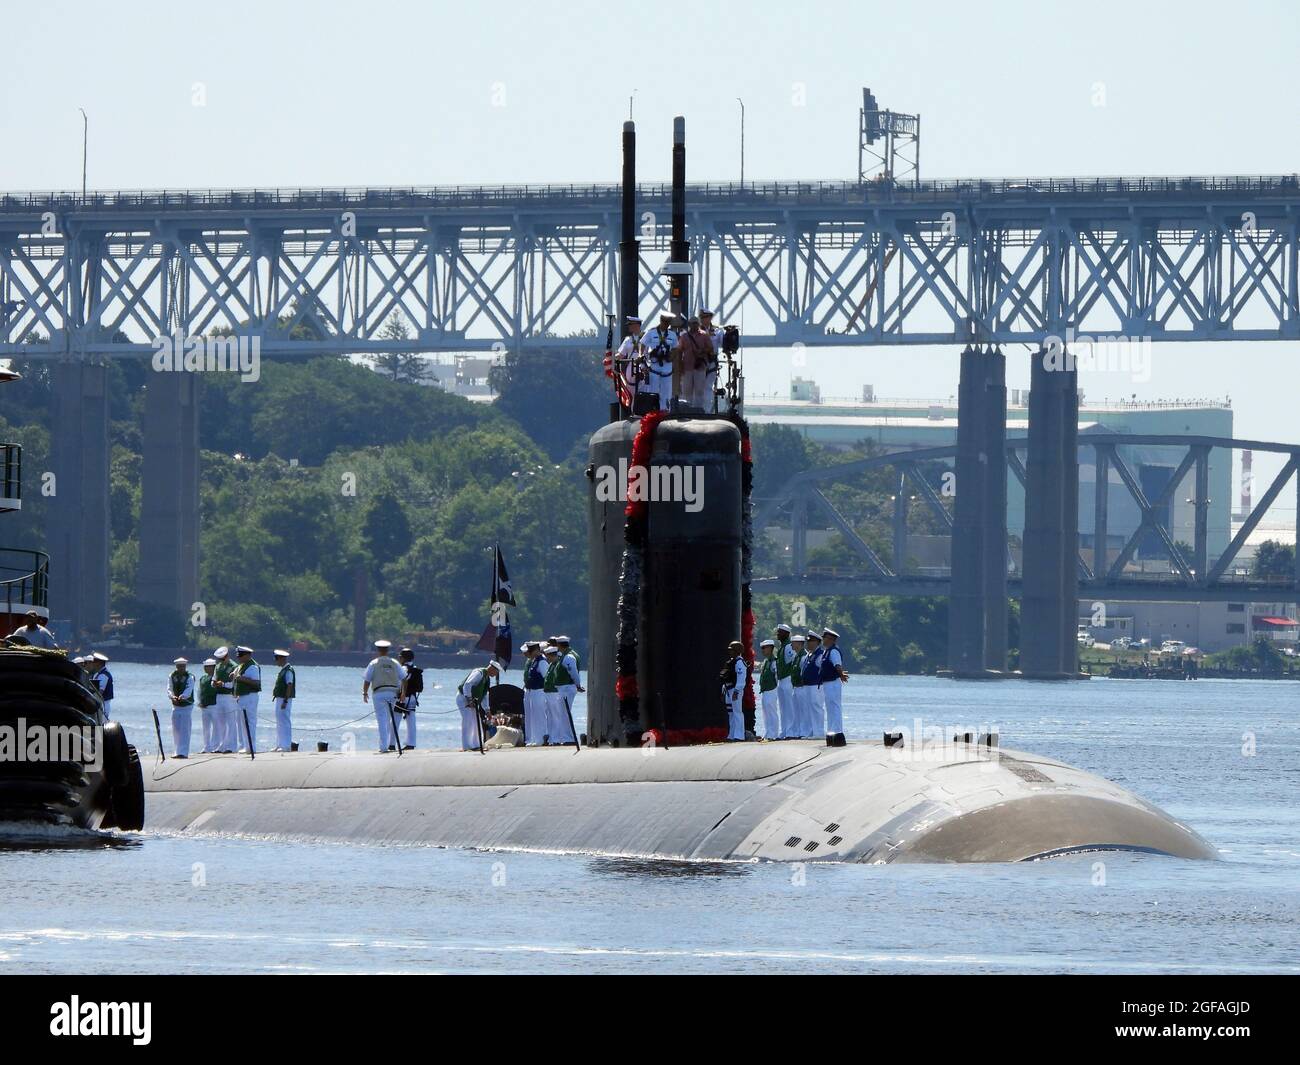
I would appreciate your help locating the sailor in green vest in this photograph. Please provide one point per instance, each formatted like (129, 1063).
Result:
(180, 690)
(208, 706)
(471, 698)
(568, 682)
(248, 688)
(554, 707)
(784, 684)
(767, 682)
(801, 714)
(223, 679)
(282, 696)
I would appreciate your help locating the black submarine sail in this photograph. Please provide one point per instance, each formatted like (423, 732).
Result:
(670, 568)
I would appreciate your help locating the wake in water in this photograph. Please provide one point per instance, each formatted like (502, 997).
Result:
(35, 836)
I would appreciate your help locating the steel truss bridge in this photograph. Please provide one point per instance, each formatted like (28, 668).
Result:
(1197, 578)
(318, 271)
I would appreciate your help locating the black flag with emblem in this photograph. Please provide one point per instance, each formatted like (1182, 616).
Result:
(503, 646)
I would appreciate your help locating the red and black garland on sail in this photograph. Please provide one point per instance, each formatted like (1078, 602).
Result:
(630, 579)
(746, 564)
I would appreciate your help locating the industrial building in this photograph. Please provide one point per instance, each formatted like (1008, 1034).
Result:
(906, 424)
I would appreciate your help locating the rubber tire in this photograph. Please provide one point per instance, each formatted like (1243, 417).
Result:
(117, 761)
(127, 800)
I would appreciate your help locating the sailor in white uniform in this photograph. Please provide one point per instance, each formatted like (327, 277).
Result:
(833, 678)
(784, 687)
(626, 361)
(223, 680)
(658, 346)
(534, 697)
(568, 682)
(208, 707)
(815, 722)
(767, 688)
(248, 692)
(711, 376)
(180, 692)
(409, 696)
(471, 698)
(282, 696)
(380, 685)
(103, 680)
(733, 690)
(798, 697)
(697, 355)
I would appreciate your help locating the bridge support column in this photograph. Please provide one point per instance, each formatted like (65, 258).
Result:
(78, 532)
(977, 637)
(994, 497)
(1049, 605)
(168, 574)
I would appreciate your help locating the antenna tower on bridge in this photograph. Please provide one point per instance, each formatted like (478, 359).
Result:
(889, 144)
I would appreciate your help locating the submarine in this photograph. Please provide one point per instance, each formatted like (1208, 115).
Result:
(654, 777)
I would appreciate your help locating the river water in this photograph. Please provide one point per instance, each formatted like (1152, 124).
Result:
(1221, 756)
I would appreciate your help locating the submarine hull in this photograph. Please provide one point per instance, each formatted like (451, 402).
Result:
(788, 801)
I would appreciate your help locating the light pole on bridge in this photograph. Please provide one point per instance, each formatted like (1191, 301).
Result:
(742, 141)
(85, 140)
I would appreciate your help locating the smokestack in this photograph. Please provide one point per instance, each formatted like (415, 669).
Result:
(680, 251)
(630, 247)
(1247, 482)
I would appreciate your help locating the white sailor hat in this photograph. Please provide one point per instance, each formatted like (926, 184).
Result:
(279, 653)
(497, 665)
(180, 661)
(242, 650)
(797, 637)
(830, 632)
(768, 643)
(524, 647)
(209, 662)
(561, 639)
(99, 656)
(221, 652)
(634, 318)
(814, 636)
(383, 645)
(783, 627)
(550, 649)
(703, 311)
(78, 661)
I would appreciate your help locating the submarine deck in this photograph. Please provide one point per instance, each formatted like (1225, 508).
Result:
(787, 801)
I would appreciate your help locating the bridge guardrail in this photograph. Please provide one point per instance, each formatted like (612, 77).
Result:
(768, 192)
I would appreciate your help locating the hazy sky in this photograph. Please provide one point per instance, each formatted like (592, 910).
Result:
(388, 93)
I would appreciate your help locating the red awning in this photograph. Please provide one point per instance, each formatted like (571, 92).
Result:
(1281, 622)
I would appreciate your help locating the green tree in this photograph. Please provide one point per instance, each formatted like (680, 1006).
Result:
(400, 365)
(1273, 560)
(556, 396)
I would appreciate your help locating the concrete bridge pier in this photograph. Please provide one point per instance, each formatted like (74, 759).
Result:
(168, 574)
(1049, 605)
(977, 610)
(78, 534)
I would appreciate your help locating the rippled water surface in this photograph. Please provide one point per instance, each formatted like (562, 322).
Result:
(82, 903)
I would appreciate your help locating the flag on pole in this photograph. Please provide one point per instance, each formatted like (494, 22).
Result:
(497, 636)
(501, 590)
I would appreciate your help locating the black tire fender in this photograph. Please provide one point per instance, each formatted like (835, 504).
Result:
(117, 755)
